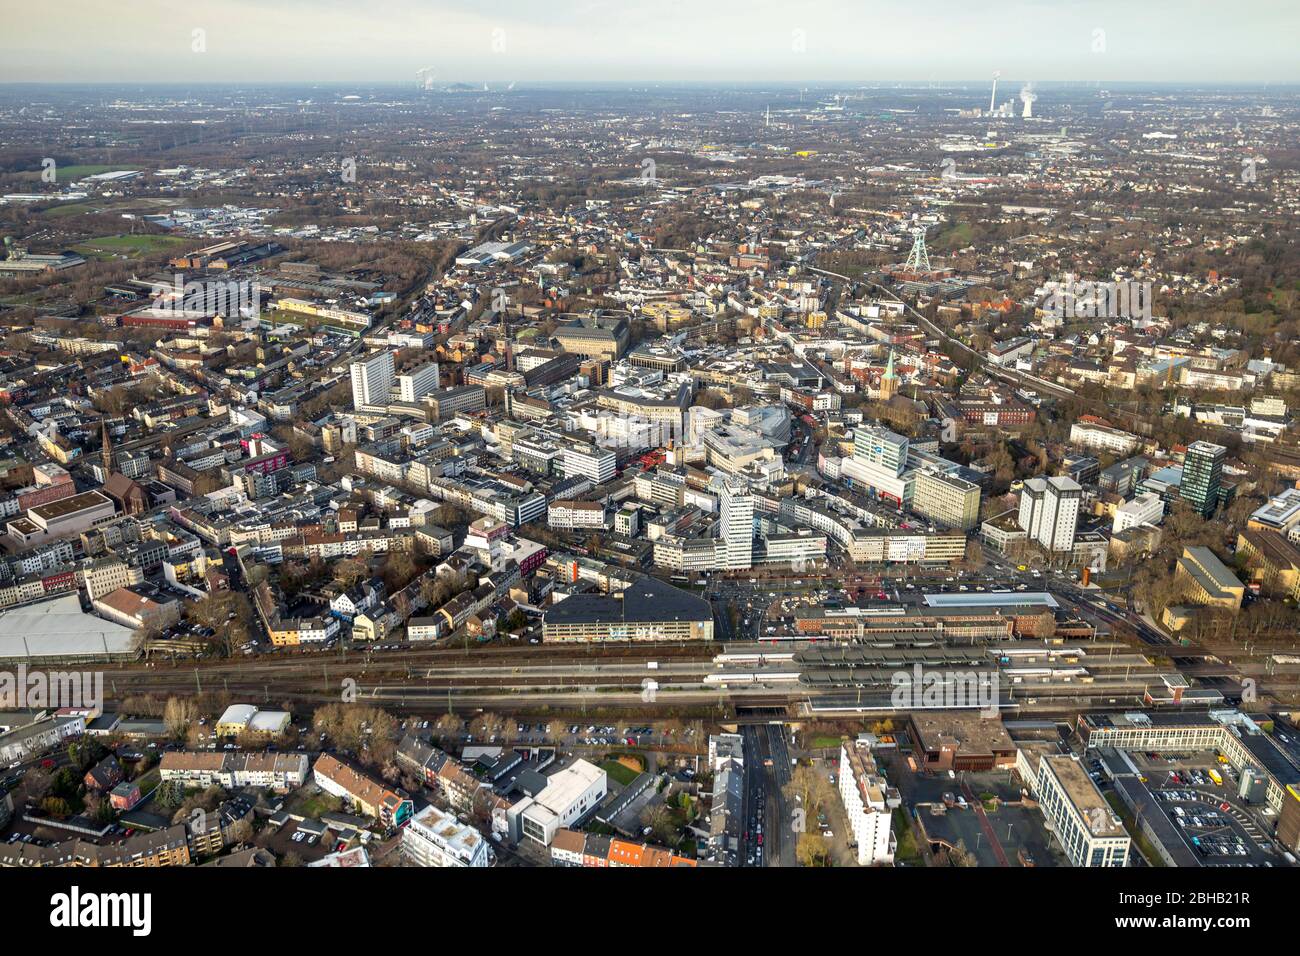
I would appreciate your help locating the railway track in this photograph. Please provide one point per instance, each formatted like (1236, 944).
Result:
(489, 655)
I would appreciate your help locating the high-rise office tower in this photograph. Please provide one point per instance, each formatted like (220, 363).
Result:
(372, 379)
(1203, 476)
(947, 499)
(418, 382)
(736, 523)
(880, 448)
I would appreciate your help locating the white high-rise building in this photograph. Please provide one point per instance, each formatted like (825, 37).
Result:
(418, 382)
(736, 523)
(1049, 511)
(372, 379)
(867, 804)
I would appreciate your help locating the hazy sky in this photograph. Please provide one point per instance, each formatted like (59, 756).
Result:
(627, 40)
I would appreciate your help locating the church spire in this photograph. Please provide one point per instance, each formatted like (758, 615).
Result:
(106, 447)
(889, 381)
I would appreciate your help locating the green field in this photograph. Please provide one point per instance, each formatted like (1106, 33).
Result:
(69, 209)
(131, 247)
(67, 174)
(954, 237)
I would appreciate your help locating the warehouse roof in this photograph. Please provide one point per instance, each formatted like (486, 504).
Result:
(60, 629)
(646, 600)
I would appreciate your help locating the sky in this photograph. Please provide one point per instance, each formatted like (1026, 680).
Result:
(734, 41)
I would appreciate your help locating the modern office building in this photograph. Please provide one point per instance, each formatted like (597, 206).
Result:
(946, 499)
(418, 382)
(584, 460)
(1288, 821)
(879, 464)
(736, 523)
(436, 838)
(1144, 509)
(563, 799)
(880, 448)
(1049, 511)
(372, 379)
(449, 402)
(646, 610)
(1281, 513)
(63, 518)
(1230, 733)
(1078, 815)
(1203, 476)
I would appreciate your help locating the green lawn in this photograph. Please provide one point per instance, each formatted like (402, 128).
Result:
(907, 851)
(148, 780)
(107, 247)
(69, 209)
(312, 806)
(619, 773)
(954, 237)
(821, 743)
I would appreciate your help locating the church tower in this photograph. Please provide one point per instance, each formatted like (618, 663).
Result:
(106, 448)
(889, 381)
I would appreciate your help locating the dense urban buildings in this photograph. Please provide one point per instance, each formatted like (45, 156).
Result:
(706, 463)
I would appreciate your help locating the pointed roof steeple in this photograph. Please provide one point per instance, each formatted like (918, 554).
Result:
(106, 449)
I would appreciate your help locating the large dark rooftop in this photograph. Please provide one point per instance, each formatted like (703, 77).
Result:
(646, 600)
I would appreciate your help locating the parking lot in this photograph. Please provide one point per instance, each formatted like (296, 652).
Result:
(985, 818)
(1209, 816)
(1011, 835)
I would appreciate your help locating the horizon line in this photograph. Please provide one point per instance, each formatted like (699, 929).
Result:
(793, 85)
